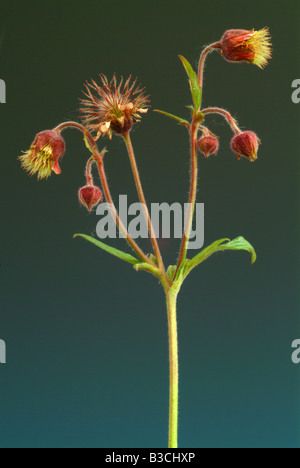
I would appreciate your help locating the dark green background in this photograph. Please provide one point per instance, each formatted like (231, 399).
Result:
(86, 335)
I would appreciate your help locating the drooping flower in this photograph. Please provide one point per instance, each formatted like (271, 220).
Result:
(43, 156)
(246, 144)
(208, 145)
(239, 45)
(113, 107)
(90, 196)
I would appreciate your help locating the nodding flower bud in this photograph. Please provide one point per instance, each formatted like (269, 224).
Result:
(90, 196)
(43, 156)
(239, 45)
(246, 144)
(208, 145)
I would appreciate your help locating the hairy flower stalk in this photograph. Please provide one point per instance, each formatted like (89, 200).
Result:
(192, 197)
(140, 191)
(113, 108)
(216, 110)
(205, 53)
(100, 165)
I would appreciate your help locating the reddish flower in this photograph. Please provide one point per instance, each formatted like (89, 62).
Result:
(246, 144)
(114, 108)
(90, 196)
(208, 145)
(44, 154)
(240, 45)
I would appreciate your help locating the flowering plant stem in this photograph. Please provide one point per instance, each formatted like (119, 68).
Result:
(171, 295)
(115, 109)
(192, 198)
(216, 110)
(100, 165)
(207, 50)
(140, 191)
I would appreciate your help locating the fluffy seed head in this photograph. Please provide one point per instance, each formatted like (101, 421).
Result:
(90, 196)
(112, 107)
(246, 144)
(239, 45)
(43, 156)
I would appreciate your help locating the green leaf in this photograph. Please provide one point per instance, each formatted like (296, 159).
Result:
(179, 119)
(237, 244)
(117, 253)
(193, 78)
(191, 108)
(240, 244)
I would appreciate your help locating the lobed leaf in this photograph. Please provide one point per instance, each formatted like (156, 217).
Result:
(237, 244)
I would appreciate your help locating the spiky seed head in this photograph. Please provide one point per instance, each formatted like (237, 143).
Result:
(112, 107)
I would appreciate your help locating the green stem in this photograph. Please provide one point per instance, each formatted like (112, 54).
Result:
(171, 295)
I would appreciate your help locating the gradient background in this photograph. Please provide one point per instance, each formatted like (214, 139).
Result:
(86, 335)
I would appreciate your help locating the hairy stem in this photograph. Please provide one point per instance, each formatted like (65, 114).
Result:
(192, 198)
(99, 161)
(216, 110)
(207, 50)
(115, 215)
(88, 171)
(174, 374)
(140, 191)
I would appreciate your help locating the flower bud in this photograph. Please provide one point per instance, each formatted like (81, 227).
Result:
(90, 196)
(208, 145)
(43, 156)
(245, 144)
(239, 45)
